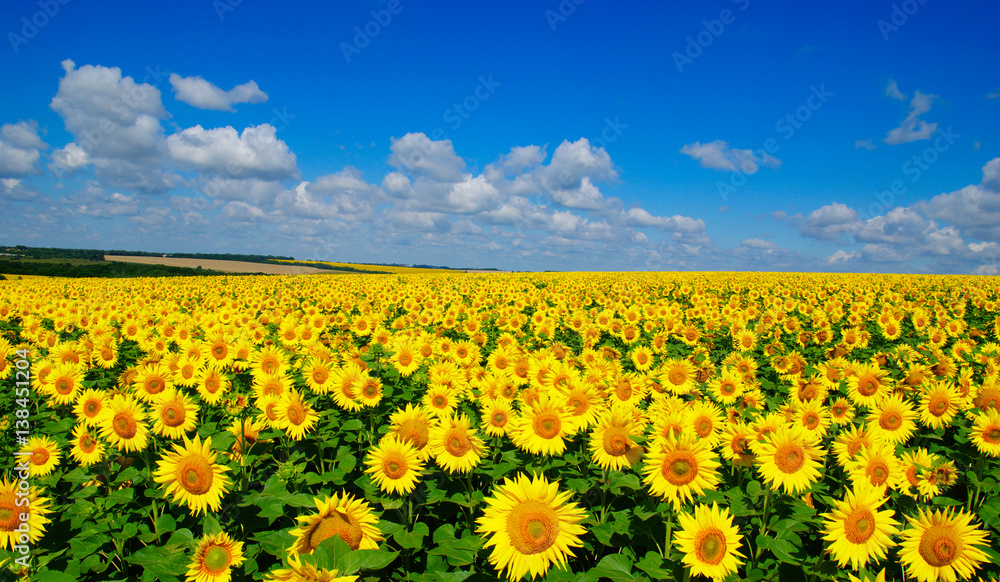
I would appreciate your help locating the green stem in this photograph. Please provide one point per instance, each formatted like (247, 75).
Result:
(763, 523)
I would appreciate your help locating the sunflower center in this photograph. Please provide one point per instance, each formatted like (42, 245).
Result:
(195, 475)
(790, 458)
(710, 546)
(91, 408)
(532, 527)
(859, 525)
(172, 414)
(414, 431)
(394, 466)
(616, 442)
(154, 386)
(405, 359)
(703, 427)
(216, 560)
(39, 457)
(124, 425)
(838, 410)
(439, 401)
(938, 405)
(336, 524)
(64, 386)
(87, 444)
(891, 420)
(499, 419)
(369, 390)
(296, 414)
(679, 468)
(911, 476)
(547, 425)
(727, 388)
(458, 444)
(867, 386)
(677, 377)
(8, 515)
(269, 365)
(320, 375)
(992, 435)
(940, 546)
(811, 420)
(877, 472)
(624, 391)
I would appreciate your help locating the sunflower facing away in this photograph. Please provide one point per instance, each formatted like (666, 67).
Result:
(394, 465)
(344, 516)
(709, 541)
(530, 525)
(192, 476)
(789, 459)
(942, 545)
(678, 468)
(859, 532)
(214, 558)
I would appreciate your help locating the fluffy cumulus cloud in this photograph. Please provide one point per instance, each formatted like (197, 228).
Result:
(974, 209)
(254, 153)
(197, 92)
(418, 154)
(20, 149)
(717, 155)
(830, 222)
(912, 128)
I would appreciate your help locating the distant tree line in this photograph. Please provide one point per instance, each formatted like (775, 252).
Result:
(108, 269)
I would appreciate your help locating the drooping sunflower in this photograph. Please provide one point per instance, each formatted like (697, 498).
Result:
(859, 533)
(343, 516)
(454, 447)
(394, 465)
(174, 414)
(192, 476)
(677, 469)
(542, 428)
(44, 455)
(247, 433)
(214, 558)
(530, 525)
(295, 415)
(612, 441)
(736, 439)
(892, 420)
(985, 433)
(942, 545)
(123, 424)
(790, 459)
(709, 541)
(11, 510)
(87, 449)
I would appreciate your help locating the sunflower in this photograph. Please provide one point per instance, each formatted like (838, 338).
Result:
(186, 374)
(858, 531)
(123, 424)
(345, 383)
(439, 401)
(276, 385)
(295, 416)
(269, 361)
(89, 406)
(246, 433)
(64, 383)
(413, 425)
(43, 455)
(584, 405)
(985, 433)
(790, 459)
(709, 542)
(174, 414)
(736, 439)
(395, 465)
(214, 558)
(317, 374)
(12, 509)
(212, 384)
(343, 516)
(370, 391)
(841, 412)
(612, 442)
(677, 375)
(916, 464)
(727, 387)
(877, 467)
(530, 525)
(405, 359)
(454, 447)
(942, 545)
(543, 428)
(151, 381)
(938, 404)
(678, 468)
(892, 420)
(496, 417)
(849, 443)
(87, 449)
(299, 572)
(867, 385)
(812, 416)
(192, 476)
(705, 420)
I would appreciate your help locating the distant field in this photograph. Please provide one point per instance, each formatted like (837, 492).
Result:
(227, 266)
(378, 268)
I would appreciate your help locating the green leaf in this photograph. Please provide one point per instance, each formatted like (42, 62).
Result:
(617, 567)
(754, 489)
(941, 500)
(166, 523)
(52, 576)
(414, 539)
(621, 481)
(653, 565)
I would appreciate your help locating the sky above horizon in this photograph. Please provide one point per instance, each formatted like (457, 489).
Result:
(562, 135)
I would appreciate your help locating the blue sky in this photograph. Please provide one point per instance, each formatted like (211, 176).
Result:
(573, 135)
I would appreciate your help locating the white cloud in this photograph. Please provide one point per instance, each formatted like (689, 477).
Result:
(864, 144)
(973, 209)
(418, 154)
(758, 243)
(717, 155)
(20, 149)
(913, 128)
(250, 190)
(198, 92)
(842, 256)
(830, 222)
(522, 158)
(254, 153)
(893, 91)
(16, 189)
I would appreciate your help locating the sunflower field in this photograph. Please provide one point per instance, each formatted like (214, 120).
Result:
(474, 427)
